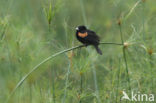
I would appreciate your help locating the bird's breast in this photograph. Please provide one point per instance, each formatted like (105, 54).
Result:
(82, 35)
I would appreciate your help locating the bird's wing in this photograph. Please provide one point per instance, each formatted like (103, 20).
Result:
(92, 37)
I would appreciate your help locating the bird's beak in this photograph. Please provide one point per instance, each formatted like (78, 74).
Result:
(77, 28)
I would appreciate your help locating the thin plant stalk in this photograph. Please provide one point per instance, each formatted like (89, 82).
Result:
(143, 19)
(111, 43)
(81, 81)
(30, 90)
(53, 85)
(125, 59)
(118, 80)
(132, 9)
(81, 85)
(3, 33)
(38, 65)
(41, 96)
(151, 66)
(83, 12)
(66, 83)
(44, 61)
(121, 35)
(124, 55)
(96, 85)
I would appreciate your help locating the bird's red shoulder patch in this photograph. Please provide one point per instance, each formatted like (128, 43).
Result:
(82, 35)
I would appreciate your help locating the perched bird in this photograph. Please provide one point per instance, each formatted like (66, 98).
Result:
(88, 37)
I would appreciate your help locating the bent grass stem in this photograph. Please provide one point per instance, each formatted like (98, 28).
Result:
(46, 60)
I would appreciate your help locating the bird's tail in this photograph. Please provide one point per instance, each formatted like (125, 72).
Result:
(98, 49)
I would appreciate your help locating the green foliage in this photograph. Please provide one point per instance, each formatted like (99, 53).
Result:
(33, 32)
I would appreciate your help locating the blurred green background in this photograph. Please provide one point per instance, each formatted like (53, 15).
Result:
(32, 30)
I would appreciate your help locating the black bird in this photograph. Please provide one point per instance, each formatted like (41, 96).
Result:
(88, 37)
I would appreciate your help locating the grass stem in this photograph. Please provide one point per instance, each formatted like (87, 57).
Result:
(118, 80)
(53, 85)
(151, 66)
(124, 56)
(46, 60)
(83, 12)
(143, 20)
(81, 86)
(96, 85)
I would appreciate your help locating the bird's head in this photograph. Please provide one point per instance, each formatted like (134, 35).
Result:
(81, 28)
